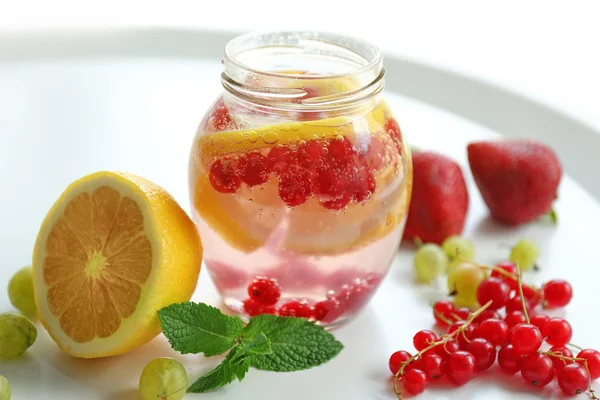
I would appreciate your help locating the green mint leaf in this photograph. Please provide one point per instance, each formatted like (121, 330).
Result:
(296, 343)
(260, 345)
(235, 365)
(199, 328)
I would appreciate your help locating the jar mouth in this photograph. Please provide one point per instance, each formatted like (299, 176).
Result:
(252, 51)
(302, 71)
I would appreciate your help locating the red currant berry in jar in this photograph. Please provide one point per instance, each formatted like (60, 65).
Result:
(592, 359)
(460, 367)
(264, 291)
(220, 118)
(537, 369)
(540, 321)
(415, 381)
(514, 304)
(279, 158)
(560, 363)
(573, 379)
(463, 313)
(442, 311)
(423, 339)
(515, 318)
(484, 353)
(526, 339)
(295, 309)
(558, 332)
(224, 175)
(509, 268)
(311, 154)
(508, 360)
(295, 185)
(397, 359)
(254, 308)
(253, 169)
(449, 347)
(327, 310)
(557, 293)
(494, 331)
(433, 365)
(493, 289)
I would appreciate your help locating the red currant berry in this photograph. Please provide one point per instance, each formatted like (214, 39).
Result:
(493, 289)
(514, 304)
(311, 154)
(463, 337)
(557, 293)
(295, 185)
(494, 331)
(393, 130)
(484, 353)
(558, 332)
(264, 291)
(515, 318)
(508, 360)
(460, 367)
(559, 363)
(361, 180)
(463, 313)
(415, 381)
(537, 369)
(254, 308)
(356, 296)
(224, 175)
(295, 309)
(540, 321)
(445, 309)
(487, 314)
(397, 359)
(253, 169)
(449, 347)
(327, 310)
(573, 379)
(526, 339)
(433, 365)
(279, 158)
(532, 295)
(423, 339)
(220, 118)
(376, 153)
(339, 152)
(509, 267)
(592, 358)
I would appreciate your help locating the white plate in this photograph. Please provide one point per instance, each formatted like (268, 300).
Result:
(74, 104)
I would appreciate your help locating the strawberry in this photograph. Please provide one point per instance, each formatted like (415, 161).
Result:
(440, 200)
(517, 178)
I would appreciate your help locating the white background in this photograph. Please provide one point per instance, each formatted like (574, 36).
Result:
(547, 50)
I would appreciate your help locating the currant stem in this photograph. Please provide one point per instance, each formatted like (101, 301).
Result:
(520, 284)
(561, 357)
(575, 346)
(506, 274)
(593, 394)
(440, 316)
(445, 340)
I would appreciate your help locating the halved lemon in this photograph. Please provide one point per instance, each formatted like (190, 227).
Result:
(113, 250)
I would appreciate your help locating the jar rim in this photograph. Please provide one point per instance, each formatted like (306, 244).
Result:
(362, 51)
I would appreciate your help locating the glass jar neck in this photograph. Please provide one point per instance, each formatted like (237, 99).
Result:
(302, 71)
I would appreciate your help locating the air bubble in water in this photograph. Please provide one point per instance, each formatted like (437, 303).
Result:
(271, 137)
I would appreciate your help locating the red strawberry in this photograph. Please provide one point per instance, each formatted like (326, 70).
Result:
(440, 201)
(517, 178)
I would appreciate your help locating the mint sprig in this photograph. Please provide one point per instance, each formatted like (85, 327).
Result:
(268, 342)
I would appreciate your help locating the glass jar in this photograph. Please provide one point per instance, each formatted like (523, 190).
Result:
(300, 178)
